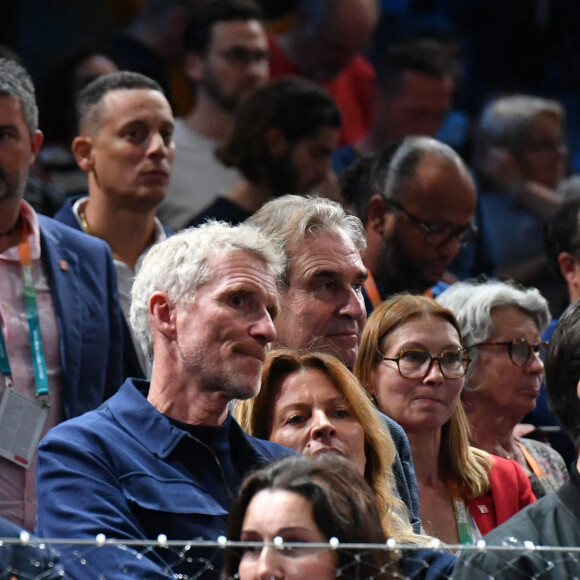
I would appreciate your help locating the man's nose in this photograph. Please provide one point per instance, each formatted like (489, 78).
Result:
(158, 145)
(353, 305)
(264, 328)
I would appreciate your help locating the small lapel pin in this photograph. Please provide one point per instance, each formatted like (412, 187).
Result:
(483, 509)
(64, 265)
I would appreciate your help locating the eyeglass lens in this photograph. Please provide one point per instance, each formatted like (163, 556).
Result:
(521, 350)
(415, 363)
(440, 234)
(463, 234)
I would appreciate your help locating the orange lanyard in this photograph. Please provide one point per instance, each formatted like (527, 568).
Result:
(372, 290)
(536, 468)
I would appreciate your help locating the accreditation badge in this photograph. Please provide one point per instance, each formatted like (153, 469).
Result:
(21, 423)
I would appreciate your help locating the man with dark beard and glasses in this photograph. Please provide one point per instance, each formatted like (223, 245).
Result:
(227, 59)
(60, 321)
(417, 208)
(282, 142)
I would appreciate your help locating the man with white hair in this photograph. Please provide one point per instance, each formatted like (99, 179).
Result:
(165, 456)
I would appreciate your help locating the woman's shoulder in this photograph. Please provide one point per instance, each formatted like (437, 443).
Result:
(545, 455)
(550, 472)
(502, 469)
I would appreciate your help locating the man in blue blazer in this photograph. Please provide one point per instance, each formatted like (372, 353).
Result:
(26, 559)
(125, 146)
(60, 319)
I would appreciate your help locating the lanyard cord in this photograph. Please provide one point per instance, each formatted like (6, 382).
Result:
(461, 517)
(38, 358)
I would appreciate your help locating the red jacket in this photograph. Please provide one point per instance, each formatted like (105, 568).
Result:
(510, 492)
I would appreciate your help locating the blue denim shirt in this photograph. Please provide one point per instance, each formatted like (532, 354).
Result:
(125, 470)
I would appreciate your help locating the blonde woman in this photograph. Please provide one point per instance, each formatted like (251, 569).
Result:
(412, 362)
(312, 403)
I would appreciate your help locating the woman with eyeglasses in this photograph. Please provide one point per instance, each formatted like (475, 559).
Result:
(501, 324)
(412, 362)
(310, 402)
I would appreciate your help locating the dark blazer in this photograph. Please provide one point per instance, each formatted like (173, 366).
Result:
(83, 285)
(404, 472)
(131, 364)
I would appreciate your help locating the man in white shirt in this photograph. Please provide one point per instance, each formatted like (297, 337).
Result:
(227, 58)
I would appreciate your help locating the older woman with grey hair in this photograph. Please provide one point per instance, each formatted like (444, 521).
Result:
(501, 324)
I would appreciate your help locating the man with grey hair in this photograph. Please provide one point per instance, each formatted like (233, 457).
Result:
(416, 219)
(165, 456)
(60, 335)
(321, 305)
(520, 156)
(321, 302)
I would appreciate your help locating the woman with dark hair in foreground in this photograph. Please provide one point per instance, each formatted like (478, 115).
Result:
(309, 500)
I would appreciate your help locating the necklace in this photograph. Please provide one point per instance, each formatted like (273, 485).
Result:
(84, 223)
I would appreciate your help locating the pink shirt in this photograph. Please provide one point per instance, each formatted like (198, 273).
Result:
(17, 485)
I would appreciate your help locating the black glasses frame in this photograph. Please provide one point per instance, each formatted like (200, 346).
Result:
(511, 344)
(466, 360)
(446, 232)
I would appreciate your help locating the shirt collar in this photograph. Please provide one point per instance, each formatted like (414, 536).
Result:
(159, 234)
(29, 215)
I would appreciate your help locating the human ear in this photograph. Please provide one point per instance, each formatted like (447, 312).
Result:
(82, 148)
(194, 66)
(379, 215)
(162, 314)
(35, 145)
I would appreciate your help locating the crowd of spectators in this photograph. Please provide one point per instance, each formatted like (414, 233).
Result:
(375, 190)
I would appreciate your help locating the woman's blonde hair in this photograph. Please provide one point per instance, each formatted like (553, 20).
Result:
(459, 463)
(256, 417)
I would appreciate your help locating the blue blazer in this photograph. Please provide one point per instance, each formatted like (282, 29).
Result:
(83, 285)
(131, 365)
(404, 471)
